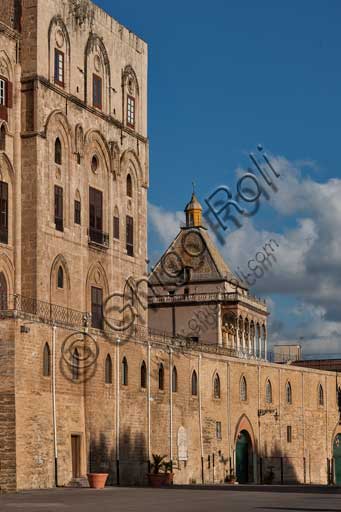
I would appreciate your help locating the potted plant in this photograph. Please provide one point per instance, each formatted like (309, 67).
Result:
(157, 478)
(168, 469)
(230, 477)
(97, 480)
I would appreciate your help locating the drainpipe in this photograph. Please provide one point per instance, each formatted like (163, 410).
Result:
(54, 415)
(118, 410)
(171, 404)
(148, 406)
(200, 421)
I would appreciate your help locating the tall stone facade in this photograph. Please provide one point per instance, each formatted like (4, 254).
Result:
(79, 392)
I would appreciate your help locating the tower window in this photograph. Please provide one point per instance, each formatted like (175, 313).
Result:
(130, 235)
(58, 208)
(289, 434)
(216, 386)
(194, 383)
(2, 91)
(143, 375)
(243, 389)
(60, 278)
(3, 212)
(116, 227)
(58, 151)
(77, 212)
(97, 91)
(96, 307)
(174, 380)
(218, 429)
(59, 67)
(124, 372)
(108, 370)
(46, 361)
(131, 111)
(129, 186)
(288, 393)
(161, 377)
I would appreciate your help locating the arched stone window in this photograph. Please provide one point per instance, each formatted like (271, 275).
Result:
(268, 392)
(131, 97)
(3, 292)
(243, 389)
(97, 74)
(320, 395)
(288, 393)
(75, 365)
(216, 386)
(174, 380)
(161, 377)
(2, 138)
(143, 375)
(58, 151)
(194, 383)
(59, 53)
(108, 370)
(116, 224)
(46, 361)
(129, 186)
(60, 278)
(124, 372)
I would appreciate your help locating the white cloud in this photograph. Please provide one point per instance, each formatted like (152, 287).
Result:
(308, 259)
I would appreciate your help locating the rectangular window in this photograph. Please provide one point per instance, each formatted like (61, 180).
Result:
(218, 429)
(77, 212)
(116, 228)
(59, 67)
(96, 307)
(131, 111)
(3, 212)
(96, 216)
(58, 208)
(130, 236)
(2, 92)
(289, 434)
(96, 91)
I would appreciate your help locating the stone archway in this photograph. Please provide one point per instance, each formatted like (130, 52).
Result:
(245, 460)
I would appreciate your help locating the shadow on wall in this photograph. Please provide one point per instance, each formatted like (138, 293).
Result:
(275, 467)
(132, 465)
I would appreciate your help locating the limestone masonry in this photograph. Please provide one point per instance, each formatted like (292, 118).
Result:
(101, 364)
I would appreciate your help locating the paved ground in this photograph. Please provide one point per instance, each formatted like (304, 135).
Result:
(174, 500)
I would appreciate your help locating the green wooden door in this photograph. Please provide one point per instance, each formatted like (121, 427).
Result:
(242, 457)
(337, 459)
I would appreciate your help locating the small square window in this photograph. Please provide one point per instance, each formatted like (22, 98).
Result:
(59, 67)
(218, 430)
(131, 111)
(97, 91)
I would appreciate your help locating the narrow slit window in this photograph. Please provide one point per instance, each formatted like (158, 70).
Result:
(97, 91)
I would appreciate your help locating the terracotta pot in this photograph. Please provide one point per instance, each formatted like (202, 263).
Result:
(97, 480)
(160, 479)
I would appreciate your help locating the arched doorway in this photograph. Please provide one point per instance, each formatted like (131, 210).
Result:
(244, 458)
(337, 459)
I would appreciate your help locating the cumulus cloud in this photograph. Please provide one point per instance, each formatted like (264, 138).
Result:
(307, 262)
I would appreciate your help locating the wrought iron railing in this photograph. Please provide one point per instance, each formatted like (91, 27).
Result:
(98, 237)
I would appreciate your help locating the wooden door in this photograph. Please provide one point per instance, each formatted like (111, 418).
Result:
(76, 455)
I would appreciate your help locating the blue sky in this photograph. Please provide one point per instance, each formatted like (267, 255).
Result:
(223, 77)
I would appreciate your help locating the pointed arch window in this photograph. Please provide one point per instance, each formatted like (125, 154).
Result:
(108, 370)
(116, 224)
(143, 375)
(320, 395)
(194, 383)
(174, 380)
(3, 292)
(60, 278)
(129, 186)
(243, 389)
(161, 377)
(288, 393)
(59, 67)
(3, 212)
(216, 386)
(75, 365)
(46, 361)
(268, 392)
(124, 372)
(58, 151)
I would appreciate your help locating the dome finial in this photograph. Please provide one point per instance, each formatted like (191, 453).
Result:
(193, 211)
